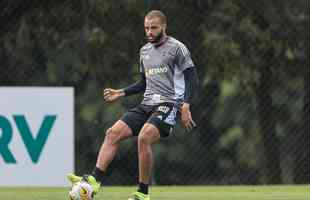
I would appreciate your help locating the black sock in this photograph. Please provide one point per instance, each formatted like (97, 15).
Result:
(143, 188)
(98, 174)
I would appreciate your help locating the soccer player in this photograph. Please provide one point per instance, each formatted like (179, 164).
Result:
(169, 81)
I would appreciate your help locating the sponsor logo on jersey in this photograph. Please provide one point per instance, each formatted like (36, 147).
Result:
(164, 109)
(158, 70)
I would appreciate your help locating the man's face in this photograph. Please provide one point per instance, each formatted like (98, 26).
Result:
(154, 29)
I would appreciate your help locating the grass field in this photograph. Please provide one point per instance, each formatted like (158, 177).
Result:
(170, 193)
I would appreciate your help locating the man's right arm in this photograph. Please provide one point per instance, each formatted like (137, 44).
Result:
(110, 95)
(136, 87)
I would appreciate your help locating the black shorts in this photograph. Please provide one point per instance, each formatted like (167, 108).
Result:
(163, 116)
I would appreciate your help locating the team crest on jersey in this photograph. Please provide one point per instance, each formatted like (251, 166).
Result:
(147, 56)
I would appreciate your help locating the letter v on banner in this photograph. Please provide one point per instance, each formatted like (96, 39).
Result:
(33, 145)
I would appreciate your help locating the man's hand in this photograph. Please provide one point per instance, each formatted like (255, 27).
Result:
(186, 117)
(111, 95)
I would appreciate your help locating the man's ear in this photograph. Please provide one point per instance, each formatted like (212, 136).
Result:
(164, 27)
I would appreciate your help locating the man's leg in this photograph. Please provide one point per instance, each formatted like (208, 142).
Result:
(160, 124)
(148, 136)
(118, 132)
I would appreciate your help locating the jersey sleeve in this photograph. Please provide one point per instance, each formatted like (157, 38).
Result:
(141, 67)
(183, 57)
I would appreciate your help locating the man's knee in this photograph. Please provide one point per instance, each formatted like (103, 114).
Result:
(148, 136)
(143, 139)
(117, 133)
(112, 135)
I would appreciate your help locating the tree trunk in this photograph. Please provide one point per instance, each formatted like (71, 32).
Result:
(271, 171)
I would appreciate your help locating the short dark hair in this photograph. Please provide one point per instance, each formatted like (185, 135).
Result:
(157, 13)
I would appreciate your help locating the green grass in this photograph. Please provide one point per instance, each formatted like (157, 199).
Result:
(169, 193)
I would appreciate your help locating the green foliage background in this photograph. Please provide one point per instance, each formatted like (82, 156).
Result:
(252, 57)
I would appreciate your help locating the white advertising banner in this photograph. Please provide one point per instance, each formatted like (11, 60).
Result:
(36, 135)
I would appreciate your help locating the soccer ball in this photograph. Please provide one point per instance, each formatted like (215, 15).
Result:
(81, 191)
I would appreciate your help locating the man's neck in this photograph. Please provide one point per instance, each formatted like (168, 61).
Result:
(162, 40)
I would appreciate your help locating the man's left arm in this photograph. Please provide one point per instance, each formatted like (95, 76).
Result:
(187, 66)
(191, 88)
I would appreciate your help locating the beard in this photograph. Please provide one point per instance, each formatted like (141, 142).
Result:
(157, 38)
